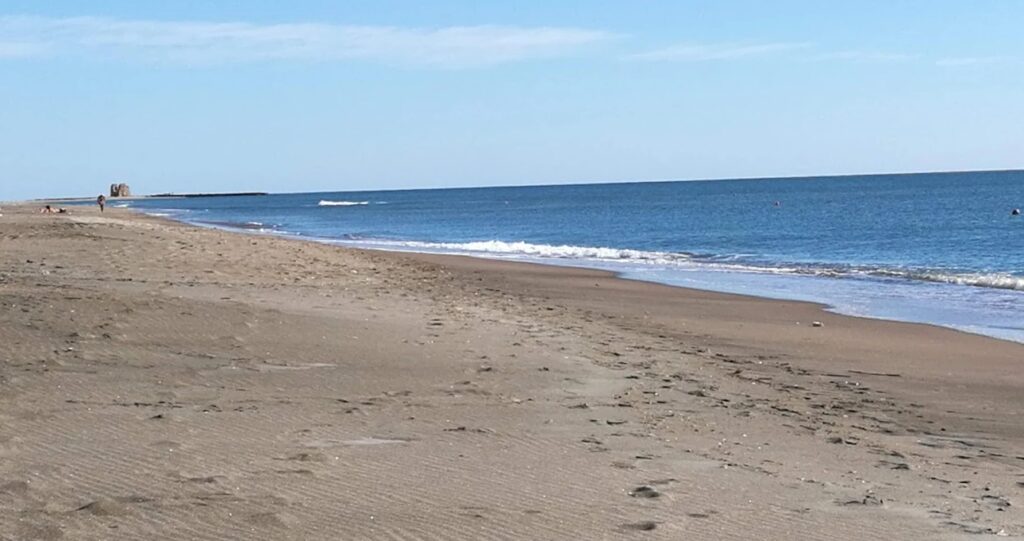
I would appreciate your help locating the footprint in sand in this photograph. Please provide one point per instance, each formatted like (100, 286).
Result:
(111, 507)
(198, 479)
(645, 491)
(307, 457)
(643, 526)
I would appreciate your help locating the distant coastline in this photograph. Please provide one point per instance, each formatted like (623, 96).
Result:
(153, 196)
(189, 195)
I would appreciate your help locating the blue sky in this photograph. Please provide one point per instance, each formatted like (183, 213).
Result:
(318, 95)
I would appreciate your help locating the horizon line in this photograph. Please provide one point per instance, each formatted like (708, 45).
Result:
(568, 183)
(670, 180)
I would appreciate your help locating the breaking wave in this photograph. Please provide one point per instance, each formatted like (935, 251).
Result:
(737, 263)
(991, 280)
(526, 249)
(326, 203)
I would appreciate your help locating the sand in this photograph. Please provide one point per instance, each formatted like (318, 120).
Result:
(159, 381)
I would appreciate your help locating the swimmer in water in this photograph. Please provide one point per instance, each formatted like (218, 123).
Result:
(1015, 212)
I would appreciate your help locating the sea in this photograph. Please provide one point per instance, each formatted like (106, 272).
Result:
(937, 248)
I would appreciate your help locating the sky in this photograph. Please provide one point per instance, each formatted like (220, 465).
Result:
(264, 95)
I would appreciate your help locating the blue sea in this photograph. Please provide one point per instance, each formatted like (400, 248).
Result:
(931, 248)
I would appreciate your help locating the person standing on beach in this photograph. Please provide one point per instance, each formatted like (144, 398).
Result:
(101, 201)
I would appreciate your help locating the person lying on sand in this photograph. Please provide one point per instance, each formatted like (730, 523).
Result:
(50, 210)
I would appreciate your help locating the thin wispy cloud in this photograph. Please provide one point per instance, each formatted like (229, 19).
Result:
(720, 51)
(972, 61)
(204, 43)
(795, 51)
(867, 56)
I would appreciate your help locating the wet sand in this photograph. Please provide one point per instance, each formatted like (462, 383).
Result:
(159, 381)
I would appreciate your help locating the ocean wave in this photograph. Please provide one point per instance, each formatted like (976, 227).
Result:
(327, 203)
(164, 212)
(689, 261)
(255, 227)
(564, 251)
(997, 280)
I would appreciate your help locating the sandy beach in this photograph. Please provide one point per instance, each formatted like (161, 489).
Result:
(161, 381)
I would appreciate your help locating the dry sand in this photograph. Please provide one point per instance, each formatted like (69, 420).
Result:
(159, 381)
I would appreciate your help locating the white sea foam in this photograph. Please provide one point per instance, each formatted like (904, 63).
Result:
(993, 280)
(987, 280)
(327, 203)
(525, 250)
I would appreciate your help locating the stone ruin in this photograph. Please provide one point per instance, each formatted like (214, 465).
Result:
(119, 190)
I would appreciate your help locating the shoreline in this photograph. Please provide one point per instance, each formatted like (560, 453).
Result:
(824, 305)
(167, 380)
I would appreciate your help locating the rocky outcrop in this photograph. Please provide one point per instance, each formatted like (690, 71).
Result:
(119, 190)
